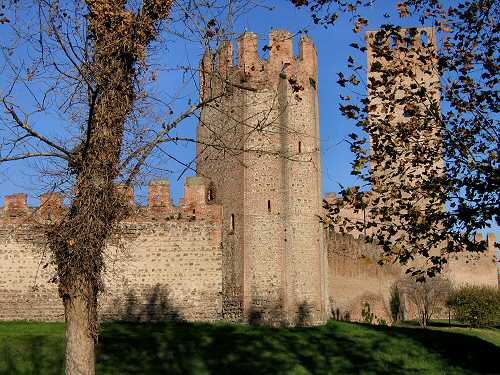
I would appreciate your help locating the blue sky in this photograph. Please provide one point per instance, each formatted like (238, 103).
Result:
(333, 51)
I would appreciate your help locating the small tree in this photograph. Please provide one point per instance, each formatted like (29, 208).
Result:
(396, 305)
(367, 314)
(428, 297)
(477, 306)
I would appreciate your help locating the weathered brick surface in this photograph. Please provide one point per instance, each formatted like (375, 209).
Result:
(169, 269)
(260, 147)
(478, 269)
(25, 288)
(356, 278)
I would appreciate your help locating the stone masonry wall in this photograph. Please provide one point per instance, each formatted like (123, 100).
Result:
(246, 242)
(476, 269)
(168, 267)
(355, 278)
(26, 292)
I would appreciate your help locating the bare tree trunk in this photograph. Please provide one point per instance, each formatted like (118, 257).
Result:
(81, 320)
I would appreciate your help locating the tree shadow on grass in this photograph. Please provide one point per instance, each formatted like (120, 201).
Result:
(178, 347)
(338, 348)
(32, 354)
(38, 354)
(469, 353)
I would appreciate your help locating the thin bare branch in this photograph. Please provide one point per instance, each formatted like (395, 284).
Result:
(145, 151)
(33, 132)
(34, 155)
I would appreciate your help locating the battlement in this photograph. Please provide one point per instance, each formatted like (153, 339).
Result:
(330, 197)
(220, 67)
(351, 245)
(197, 204)
(404, 46)
(403, 37)
(490, 242)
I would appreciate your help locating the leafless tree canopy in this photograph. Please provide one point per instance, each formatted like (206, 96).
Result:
(428, 298)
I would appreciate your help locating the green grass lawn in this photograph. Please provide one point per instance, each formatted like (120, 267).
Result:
(184, 348)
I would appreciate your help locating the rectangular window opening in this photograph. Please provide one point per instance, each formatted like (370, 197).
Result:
(312, 82)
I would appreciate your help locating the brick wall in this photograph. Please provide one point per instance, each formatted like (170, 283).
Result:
(477, 269)
(168, 265)
(355, 278)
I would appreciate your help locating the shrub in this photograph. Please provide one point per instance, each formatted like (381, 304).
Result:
(396, 305)
(477, 306)
(366, 314)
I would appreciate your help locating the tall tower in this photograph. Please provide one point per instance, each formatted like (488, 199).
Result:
(259, 144)
(407, 162)
(404, 104)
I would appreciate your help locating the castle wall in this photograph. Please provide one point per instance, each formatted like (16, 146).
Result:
(170, 270)
(355, 277)
(26, 292)
(167, 266)
(220, 158)
(401, 130)
(475, 269)
(264, 208)
(246, 243)
(304, 247)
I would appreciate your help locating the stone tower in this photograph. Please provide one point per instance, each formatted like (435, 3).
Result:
(259, 144)
(404, 95)
(405, 132)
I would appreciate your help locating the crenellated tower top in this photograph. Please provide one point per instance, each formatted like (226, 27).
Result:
(252, 71)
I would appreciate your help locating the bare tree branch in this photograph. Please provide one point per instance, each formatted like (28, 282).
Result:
(33, 132)
(34, 155)
(146, 150)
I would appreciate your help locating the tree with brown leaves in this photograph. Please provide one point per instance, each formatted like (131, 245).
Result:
(427, 148)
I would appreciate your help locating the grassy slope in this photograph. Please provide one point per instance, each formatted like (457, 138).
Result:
(181, 348)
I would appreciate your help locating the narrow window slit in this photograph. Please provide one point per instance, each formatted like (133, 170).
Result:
(424, 38)
(394, 41)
